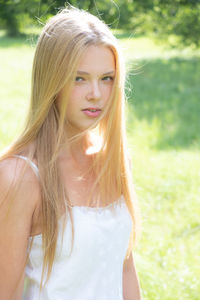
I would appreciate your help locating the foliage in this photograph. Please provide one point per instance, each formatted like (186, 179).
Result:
(180, 18)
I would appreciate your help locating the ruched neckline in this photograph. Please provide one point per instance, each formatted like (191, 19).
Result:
(100, 208)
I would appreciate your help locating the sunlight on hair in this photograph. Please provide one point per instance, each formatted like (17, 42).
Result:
(97, 142)
(59, 49)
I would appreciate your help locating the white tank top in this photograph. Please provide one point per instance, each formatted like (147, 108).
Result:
(94, 271)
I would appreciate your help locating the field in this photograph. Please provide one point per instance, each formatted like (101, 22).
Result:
(163, 125)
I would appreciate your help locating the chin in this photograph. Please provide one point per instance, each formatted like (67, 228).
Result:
(75, 129)
(87, 127)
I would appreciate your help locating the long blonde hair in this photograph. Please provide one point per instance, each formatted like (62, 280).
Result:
(58, 51)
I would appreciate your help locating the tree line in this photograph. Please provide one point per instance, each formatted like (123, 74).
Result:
(180, 18)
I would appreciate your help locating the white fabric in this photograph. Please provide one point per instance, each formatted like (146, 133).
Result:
(33, 166)
(94, 271)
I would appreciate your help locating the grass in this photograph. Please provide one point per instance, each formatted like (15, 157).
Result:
(167, 185)
(164, 138)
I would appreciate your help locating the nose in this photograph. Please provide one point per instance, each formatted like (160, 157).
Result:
(94, 92)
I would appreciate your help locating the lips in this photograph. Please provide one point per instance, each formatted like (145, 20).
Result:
(92, 111)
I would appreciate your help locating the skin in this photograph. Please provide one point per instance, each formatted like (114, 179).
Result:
(131, 288)
(91, 88)
(15, 229)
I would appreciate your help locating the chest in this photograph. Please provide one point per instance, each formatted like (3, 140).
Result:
(79, 187)
(96, 231)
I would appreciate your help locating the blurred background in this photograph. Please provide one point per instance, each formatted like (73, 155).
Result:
(161, 44)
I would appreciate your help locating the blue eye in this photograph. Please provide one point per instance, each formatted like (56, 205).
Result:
(78, 79)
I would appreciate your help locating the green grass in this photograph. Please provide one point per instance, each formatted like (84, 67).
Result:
(168, 186)
(163, 127)
(164, 136)
(15, 75)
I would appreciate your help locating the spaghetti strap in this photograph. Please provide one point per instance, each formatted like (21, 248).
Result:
(30, 162)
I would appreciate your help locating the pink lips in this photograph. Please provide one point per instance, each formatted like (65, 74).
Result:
(92, 112)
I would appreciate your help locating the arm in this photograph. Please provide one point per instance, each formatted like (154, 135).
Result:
(15, 226)
(131, 288)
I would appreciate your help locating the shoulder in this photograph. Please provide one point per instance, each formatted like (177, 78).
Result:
(19, 183)
(13, 169)
(19, 192)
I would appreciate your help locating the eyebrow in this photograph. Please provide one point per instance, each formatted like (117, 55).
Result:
(85, 73)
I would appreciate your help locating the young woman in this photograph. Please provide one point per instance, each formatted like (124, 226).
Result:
(68, 214)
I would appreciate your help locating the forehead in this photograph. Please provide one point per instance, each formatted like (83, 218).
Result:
(97, 59)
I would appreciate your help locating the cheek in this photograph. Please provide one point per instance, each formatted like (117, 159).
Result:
(75, 100)
(76, 94)
(106, 90)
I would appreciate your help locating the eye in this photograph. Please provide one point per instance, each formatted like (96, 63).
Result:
(108, 78)
(79, 78)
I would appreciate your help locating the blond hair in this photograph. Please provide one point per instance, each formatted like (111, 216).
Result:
(59, 48)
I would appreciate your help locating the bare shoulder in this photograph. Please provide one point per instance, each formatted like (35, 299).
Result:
(19, 195)
(16, 174)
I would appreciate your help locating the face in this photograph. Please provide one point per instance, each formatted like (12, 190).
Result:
(91, 90)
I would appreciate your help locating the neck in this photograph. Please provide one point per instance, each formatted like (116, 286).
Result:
(75, 149)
